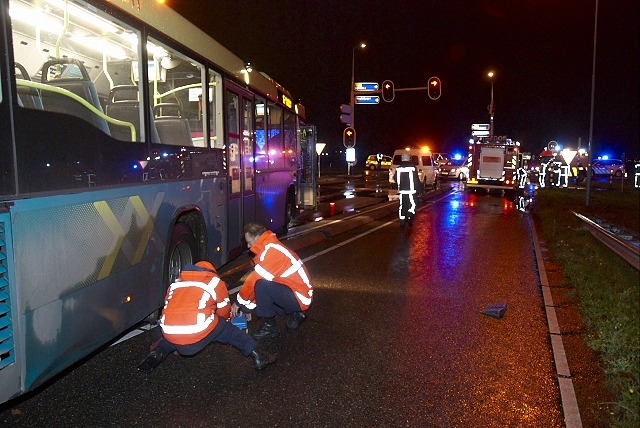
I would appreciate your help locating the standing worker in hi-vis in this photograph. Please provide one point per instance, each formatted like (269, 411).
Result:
(409, 186)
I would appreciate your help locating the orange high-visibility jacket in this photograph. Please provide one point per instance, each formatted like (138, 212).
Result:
(275, 262)
(193, 304)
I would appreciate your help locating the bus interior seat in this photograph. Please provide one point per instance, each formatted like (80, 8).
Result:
(27, 97)
(172, 129)
(74, 78)
(124, 105)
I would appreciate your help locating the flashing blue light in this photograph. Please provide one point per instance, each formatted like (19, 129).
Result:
(135, 166)
(165, 155)
(457, 156)
(605, 157)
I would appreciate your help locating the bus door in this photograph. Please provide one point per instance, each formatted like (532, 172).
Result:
(308, 168)
(240, 165)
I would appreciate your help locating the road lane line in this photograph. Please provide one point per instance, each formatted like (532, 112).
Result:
(327, 250)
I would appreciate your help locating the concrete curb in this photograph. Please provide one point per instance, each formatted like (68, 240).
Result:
(567, 392)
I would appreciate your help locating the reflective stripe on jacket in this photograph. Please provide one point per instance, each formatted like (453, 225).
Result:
(192, 307)
(407, 178)
(275, 262)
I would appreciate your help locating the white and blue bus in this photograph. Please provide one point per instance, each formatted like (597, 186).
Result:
(131, 143)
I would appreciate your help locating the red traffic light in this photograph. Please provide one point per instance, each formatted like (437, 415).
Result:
(349, 137)
(434, 88)
(387, 91)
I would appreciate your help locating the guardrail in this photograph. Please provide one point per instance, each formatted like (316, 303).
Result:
(622, 242)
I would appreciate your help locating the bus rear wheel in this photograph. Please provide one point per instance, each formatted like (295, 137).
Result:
(182, 251)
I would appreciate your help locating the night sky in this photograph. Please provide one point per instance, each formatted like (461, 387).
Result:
(541, 52)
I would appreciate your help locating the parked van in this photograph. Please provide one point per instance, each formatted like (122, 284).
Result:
(422, 158)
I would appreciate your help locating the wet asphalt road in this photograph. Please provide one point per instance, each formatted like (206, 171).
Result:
(394, 337)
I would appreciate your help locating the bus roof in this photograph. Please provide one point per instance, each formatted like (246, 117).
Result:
(171, 23)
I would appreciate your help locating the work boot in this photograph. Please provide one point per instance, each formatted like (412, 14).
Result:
(262, 359)
(295, 319)
(154, 358)
(268, 329)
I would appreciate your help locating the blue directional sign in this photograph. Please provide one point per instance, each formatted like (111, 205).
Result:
(366, 87)
(366, 99)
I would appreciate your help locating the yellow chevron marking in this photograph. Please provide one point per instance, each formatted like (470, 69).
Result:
(148, 227)
(118, 233)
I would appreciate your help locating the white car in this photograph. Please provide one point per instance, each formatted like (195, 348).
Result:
(456, 168)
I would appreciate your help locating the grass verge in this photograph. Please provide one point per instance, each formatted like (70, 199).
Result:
(606, 287)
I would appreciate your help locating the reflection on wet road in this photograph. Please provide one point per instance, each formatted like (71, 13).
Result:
(394, 337)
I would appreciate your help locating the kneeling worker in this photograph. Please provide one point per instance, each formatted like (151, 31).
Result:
(279, 284)
(195, 314)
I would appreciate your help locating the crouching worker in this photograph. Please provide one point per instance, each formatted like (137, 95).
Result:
(195, 314)
(279, 284)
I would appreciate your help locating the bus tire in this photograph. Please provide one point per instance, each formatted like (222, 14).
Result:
(182, 250)
(289, 212)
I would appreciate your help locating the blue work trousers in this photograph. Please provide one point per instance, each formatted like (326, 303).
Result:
(223, 332)
(273, 298)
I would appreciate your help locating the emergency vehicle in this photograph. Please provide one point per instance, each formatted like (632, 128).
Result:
(494, 163)
(557, 166)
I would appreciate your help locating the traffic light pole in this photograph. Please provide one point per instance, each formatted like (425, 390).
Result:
(352, 93)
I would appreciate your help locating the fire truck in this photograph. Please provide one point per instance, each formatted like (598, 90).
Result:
(495, 163)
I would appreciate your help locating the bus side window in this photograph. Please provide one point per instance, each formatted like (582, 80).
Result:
(275, 142)
(176, 82)
(290, 140)
(71, 75)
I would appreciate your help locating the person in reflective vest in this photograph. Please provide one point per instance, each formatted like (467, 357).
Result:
(195, 314)
(279, 285)
(409, 186)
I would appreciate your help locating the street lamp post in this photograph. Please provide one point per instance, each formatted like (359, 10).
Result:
(490, 74)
